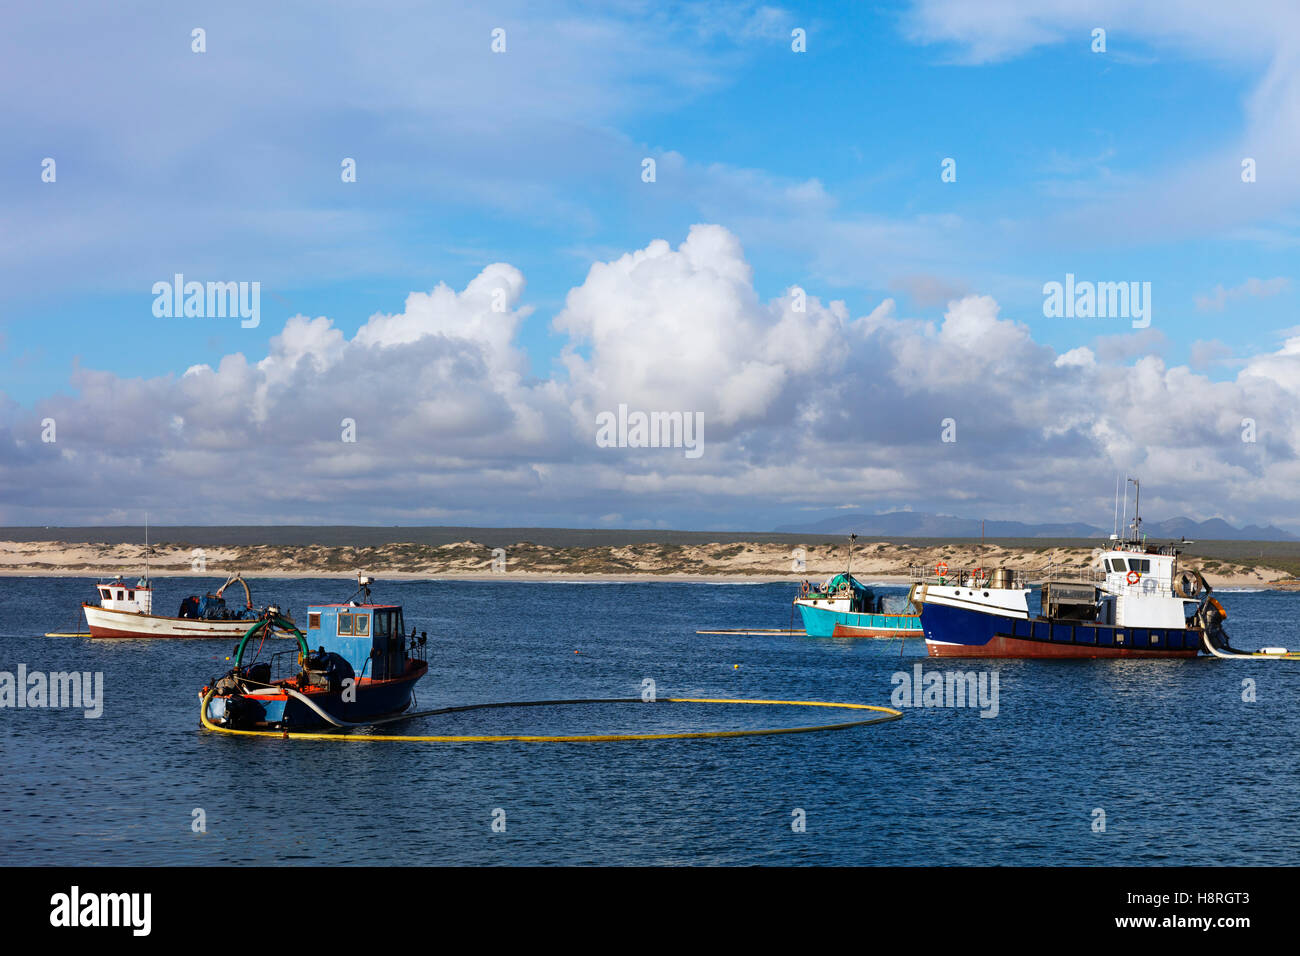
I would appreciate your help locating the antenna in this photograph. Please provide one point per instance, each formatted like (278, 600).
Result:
(146, 547)
(852, 537)
(1115, 529)
(1137, 509)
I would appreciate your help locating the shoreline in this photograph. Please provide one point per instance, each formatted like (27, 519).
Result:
(1224, 585)
(880, 562)
(500, 577)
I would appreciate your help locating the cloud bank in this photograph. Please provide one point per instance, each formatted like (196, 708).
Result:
(805, 406)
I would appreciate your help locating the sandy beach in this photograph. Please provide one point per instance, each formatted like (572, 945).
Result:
(735, 562)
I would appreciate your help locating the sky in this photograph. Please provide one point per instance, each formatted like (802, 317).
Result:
(838, 267)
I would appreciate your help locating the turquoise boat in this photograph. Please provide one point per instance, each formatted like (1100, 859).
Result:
(845, 607)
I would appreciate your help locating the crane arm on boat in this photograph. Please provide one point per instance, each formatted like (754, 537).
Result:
(248, 595)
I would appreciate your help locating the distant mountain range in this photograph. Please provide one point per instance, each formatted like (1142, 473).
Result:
(920, 524)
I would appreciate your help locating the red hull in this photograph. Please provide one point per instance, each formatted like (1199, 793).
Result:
(125, 625)
(1017, 647)
(847, 630)
(108, 632)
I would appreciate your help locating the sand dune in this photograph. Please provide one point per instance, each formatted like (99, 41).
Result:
(469, 559)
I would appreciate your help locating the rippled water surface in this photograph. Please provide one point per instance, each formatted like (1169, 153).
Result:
(1185, 770)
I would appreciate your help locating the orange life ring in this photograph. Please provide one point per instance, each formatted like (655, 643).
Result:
(941, 569)
(1134, 577)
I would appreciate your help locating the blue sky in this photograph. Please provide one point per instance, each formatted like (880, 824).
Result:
(824, 166)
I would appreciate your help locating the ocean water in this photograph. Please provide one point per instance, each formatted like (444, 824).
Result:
(1183, 768)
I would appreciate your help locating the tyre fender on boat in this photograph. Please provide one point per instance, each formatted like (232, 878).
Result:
(1188, 584)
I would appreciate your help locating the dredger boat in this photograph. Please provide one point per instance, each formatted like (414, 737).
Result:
(353, 664)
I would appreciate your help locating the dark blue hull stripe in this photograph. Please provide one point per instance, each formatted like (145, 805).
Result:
(953, 625)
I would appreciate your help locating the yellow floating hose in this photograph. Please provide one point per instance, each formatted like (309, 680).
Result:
(889, 714)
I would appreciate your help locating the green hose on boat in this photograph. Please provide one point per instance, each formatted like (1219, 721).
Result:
(273, 618)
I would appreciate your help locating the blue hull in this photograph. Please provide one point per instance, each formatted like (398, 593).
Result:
(822, 622)
(373, 700)
(962, 632)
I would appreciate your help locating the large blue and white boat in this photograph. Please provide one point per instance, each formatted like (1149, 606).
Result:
(1134, 602)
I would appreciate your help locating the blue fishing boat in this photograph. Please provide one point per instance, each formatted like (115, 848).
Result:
(354, 664)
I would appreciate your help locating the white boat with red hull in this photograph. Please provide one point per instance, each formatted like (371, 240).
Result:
(126, 611)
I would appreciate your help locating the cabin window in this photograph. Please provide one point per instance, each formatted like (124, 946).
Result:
(108, 595)
(383, 623)
(313, 620)
(130, 595)
(1120, 565)
(345, 625)
(1144, 565)
(121, 596)
(363, 625)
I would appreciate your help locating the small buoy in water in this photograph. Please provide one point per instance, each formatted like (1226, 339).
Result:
(735, 667)
(575, 652)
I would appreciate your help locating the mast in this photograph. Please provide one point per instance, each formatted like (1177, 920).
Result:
(852, 537)
(146, 547)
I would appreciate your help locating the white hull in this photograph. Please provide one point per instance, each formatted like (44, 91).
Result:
(132, 624)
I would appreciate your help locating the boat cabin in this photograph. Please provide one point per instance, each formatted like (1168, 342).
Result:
(370, 638)
(1138, 587)
(117, 595)
(845, 593)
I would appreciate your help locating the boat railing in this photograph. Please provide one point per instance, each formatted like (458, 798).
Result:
(973, 577)
(1001, 578)
(418, 647)
(1067, 574)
